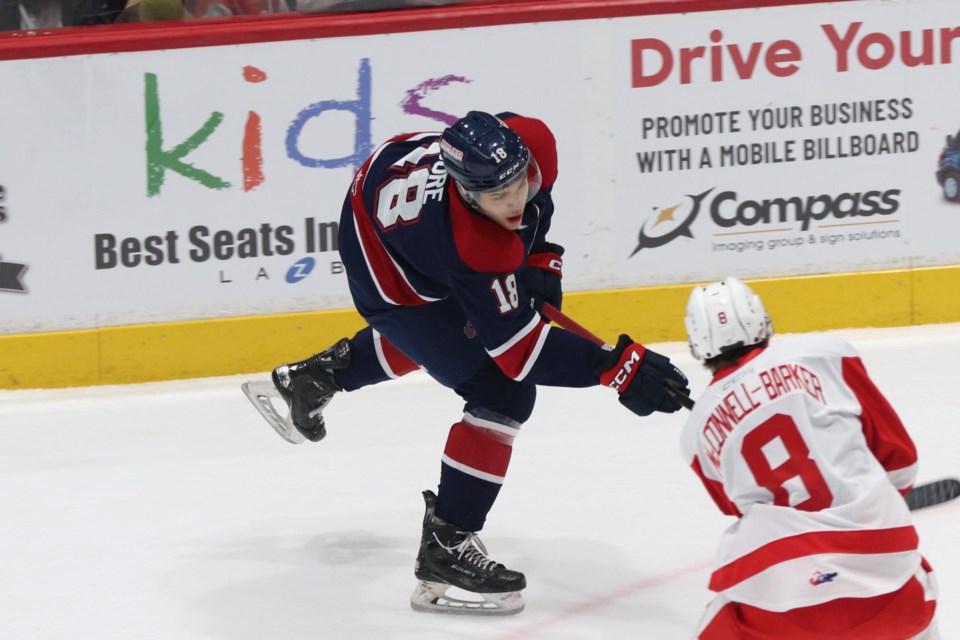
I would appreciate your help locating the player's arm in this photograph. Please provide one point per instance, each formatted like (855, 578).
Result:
(705, 471)
(715, 489)
(517, 338)
(886, 436)
(526, 348)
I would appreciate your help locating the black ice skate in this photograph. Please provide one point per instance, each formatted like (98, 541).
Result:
(450, 557)
(306, 387)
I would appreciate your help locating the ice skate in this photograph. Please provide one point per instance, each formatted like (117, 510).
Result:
(306, 387)
(456, 575)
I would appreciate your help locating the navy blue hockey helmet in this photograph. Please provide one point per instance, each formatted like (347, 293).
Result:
(483, 154)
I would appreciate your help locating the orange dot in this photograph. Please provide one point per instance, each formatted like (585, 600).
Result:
(252, 74)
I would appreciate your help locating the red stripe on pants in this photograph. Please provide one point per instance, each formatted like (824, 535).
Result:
(398, 363)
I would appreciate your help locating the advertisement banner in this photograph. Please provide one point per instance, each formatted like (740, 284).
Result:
(801, 140)
(208, 183)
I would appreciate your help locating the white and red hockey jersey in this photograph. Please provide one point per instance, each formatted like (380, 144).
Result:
(799, 442)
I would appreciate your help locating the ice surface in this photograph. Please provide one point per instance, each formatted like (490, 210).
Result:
(171, 510)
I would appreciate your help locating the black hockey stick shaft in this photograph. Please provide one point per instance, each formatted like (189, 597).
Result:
(555, 315)
(933, 493)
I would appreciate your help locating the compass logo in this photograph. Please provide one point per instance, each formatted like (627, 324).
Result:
(669, 223)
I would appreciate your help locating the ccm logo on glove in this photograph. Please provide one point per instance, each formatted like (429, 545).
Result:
(541, 278)
(620, 375)
(547, 261)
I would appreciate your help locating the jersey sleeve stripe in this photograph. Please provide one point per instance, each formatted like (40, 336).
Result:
(517, 337)
(873, 541)
(531, 358)
(886, 436)
(517, 356)
(715, 489)
(904, 478)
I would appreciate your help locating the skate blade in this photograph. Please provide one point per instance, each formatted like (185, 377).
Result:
(262, 395)
(433, 597)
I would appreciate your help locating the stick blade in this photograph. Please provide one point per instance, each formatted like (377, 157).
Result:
(933, 493)
(265, 399)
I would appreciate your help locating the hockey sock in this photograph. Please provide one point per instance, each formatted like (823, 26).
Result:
(373, 359)
(475, 462)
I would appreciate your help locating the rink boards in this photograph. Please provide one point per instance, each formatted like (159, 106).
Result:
(170, 198)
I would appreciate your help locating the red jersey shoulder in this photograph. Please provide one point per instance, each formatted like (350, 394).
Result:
(483, 245)
(538, 137)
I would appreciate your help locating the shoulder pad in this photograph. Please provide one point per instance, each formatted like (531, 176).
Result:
(536, 135)
(817, 344)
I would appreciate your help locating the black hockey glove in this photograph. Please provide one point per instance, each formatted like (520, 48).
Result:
(541, 277)
(641, 377)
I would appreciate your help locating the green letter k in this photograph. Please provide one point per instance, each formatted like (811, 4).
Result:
(158, 160)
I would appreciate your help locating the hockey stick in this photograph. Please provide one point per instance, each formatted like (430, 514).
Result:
(555, 315)
(933, 493)
(920, 497)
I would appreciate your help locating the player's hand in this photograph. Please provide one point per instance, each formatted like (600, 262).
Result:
(641, 377)
(541, 277)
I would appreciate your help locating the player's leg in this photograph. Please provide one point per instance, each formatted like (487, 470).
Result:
(479, 446)
(905, 613)
(395, 343)
(725, 619)
(912, 607)
(474, 465)
(899, 614)
(308, 386)
(475, 460)
(719, 621)
(928, 581)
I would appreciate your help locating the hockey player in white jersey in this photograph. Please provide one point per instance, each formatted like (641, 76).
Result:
(793, 438)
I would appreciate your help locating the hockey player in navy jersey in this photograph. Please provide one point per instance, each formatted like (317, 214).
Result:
(444, 241)
(794, 439)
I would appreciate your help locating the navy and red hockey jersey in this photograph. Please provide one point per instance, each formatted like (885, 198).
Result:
(407, 239)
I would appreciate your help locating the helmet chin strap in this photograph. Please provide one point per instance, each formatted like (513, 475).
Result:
(470, 199)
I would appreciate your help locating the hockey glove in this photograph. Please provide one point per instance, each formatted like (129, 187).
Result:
(541, 277)
(641, 376)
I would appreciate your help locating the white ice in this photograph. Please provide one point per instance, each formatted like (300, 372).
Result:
(171, 510)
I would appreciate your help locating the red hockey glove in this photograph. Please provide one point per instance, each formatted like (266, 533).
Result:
(640, 376)
(541, 277)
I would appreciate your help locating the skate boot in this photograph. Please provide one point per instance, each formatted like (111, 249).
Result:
(452, 558)
(307, 387)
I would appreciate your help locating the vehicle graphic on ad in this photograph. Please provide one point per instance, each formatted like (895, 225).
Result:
(948, 169)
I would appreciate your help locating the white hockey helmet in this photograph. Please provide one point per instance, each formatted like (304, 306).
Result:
(724, 316)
